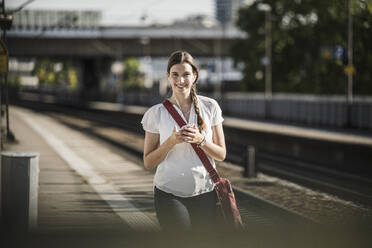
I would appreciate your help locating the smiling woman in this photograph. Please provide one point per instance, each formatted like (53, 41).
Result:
(184, 192)
(182, 76)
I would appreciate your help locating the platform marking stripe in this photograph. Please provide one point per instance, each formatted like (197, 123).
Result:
(136, 219)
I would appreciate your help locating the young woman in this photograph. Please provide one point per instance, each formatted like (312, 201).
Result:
(184, 193)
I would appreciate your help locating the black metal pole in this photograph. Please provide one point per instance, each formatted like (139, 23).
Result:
(250, 162)
(1, 97)
(350, 66)
(1, 109)
(9, 134)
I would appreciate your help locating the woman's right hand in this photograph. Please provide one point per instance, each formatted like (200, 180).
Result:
(154, 152)
(176, 136)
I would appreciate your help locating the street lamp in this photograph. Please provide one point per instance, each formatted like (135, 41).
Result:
(349, 68)
(267, 59)
(5, 24)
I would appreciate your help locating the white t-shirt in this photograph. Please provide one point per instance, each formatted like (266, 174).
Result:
(182, 173)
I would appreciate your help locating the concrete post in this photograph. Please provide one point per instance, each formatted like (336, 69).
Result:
(19, 189)
(250, 162)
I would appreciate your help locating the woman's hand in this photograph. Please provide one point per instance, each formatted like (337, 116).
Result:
(215, 149)
(176, 136)
(154, 153)
(191, 135)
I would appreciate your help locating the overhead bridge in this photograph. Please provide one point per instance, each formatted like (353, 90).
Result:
(114, 42)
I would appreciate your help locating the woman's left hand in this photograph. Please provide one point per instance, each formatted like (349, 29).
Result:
(192, 135)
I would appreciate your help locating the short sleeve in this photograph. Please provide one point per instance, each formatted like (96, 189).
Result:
(150, 120)
(217, 115)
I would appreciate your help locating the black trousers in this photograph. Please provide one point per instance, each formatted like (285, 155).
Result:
(197, 213)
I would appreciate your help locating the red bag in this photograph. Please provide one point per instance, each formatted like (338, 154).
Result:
(225, 195)
(227, 204)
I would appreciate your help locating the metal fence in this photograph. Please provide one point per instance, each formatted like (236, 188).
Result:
(330, 111)
(326, 111)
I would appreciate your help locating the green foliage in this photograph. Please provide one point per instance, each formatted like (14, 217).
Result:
(13, 80)
(41, 70)
(301, 30)
(55, 73)
(132, 78)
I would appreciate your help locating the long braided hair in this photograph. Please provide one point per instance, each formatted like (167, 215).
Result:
(180, 57)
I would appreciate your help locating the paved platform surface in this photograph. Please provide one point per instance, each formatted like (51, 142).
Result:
(83, 185)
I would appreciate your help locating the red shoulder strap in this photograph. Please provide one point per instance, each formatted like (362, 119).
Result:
(203, 157)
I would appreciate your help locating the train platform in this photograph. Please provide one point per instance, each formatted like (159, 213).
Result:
(89, 186)
(82, 184)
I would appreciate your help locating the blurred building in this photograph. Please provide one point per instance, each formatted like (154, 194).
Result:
(195, 21)
(79, 36)
(49, 19)
(227, 10)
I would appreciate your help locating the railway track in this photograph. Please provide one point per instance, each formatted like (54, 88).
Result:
(351, 187)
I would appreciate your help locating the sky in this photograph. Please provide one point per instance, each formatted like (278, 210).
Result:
(128, 12)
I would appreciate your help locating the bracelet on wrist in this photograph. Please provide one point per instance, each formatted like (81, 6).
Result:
(202, 143)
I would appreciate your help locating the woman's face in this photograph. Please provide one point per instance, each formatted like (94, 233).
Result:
(181, 77)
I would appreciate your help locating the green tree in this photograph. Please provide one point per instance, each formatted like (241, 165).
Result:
(132, 79)
(302, 32)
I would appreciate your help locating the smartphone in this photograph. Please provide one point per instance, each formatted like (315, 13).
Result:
(186, 126)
